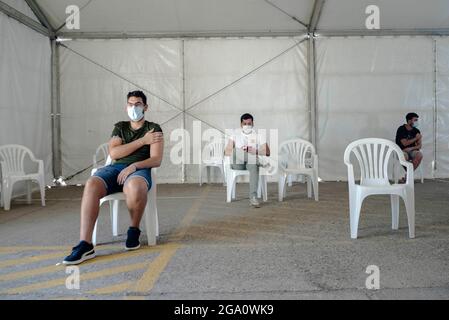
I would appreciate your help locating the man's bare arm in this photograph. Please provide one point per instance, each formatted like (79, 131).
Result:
(155, 160)
(118, 150)
(406, 142)
(229, 148)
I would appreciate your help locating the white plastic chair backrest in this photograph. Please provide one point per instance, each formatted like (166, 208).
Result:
(296, 154)
(12, 157)
(101, 153)
(213, 151)
(373, 156)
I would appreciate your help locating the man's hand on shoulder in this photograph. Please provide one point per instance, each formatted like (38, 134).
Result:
(152, 137)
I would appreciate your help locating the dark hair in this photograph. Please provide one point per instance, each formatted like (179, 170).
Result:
(410, 116)
(138, 94)
(246, 116)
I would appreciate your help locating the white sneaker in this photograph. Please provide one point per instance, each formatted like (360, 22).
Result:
(254, 202)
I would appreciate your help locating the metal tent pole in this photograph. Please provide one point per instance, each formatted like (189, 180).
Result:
(56, 110)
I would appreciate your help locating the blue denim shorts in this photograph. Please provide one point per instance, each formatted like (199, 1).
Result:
(110, 173)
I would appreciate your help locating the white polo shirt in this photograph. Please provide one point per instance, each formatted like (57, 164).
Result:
(253, 139)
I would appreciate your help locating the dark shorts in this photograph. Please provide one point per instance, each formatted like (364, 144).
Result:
(110, 173)
(411, 154)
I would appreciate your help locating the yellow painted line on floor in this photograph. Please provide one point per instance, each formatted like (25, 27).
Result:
(155, 269)
(188, 218)
(133, 298)
(119, 287)
(149, 278)
(99, 259)
(83, 277)
(31, 259)
(70, 298)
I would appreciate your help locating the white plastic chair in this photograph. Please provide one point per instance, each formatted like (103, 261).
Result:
(12, 158)
(212, 156)
(231, 179)
(100, 157)
(151, 218)
(373, 157)
(298, 157)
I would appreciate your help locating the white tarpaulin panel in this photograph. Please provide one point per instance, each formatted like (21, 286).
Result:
(96, 75)
(366, 86)
(25, 80)
(272, 85)
(95, 78)
(442, 58)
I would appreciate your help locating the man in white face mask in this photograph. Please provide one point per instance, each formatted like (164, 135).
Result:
(135, 146)
(245, 146)
(409, 139)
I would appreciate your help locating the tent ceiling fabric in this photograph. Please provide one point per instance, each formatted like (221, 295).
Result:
(172, 16)
(250, 16)
(394, 14)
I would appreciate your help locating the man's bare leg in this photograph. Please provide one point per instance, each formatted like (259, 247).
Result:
(90, 206)
(136, 191)
(417, 160)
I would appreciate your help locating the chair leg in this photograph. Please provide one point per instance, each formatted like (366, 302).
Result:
(94, 233)
(281, 186)
(7, 193)
(290, 180)
(29, 191)
(309, 186)
(200, 175)
(114, 212)
(315, 186)
(223, 175)
(409, 200)
(264, 189)
(42, 190)
(151, 224)
(208, 174)
(394, 211)
(234, 187)
(229, 187)
(354, 215)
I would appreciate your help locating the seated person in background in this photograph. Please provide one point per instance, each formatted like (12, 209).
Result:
(135, 146)
(409, 139)
(245, 146)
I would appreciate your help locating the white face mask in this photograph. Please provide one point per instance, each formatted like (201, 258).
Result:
(415, 124)
(135, 113)
(247, 129)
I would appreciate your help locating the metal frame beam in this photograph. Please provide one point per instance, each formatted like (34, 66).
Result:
(40, 15)
(144, 35)
(56, 110)
(316, 13)
(311, 61)
(24, 19)
(383, 32)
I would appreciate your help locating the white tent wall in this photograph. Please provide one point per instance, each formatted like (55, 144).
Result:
(96, 75)
(272, 86)
(442, 86)
(365, 87)
(25, 80)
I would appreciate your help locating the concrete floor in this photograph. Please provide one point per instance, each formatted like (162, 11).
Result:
(208, 249)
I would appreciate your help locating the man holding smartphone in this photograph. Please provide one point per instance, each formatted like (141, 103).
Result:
(245, 146)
